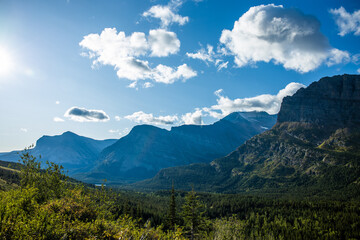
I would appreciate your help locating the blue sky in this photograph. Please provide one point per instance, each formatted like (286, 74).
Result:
(98, 68)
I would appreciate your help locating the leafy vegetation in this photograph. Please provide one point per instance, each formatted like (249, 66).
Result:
(46, 205)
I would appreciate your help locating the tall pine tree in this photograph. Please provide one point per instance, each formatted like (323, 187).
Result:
(193, 214)
(172, 209)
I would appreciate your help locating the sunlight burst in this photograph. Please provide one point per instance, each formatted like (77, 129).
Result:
(6, 62)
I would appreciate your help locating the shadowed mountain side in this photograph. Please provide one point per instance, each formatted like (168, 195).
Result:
(300, 152)
(74, 152)
(147, 149)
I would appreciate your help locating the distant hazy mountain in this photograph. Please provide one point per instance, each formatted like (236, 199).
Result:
(314, 147)
(147, 149)
(74, 152)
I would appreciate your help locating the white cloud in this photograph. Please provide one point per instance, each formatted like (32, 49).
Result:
(114, 131)
(23, 130)
(163, 43)
(148, 85)
(266, 102)
(57, 119)
(84, 115)
(194, 118)
(125, 131)
(347, 22)
(168, 75)
(222, 65)
(117, 118)
(337, 56)
(148, 118)
(202, 54)
(167, 14)
(57, 102)
(356, 59)
(209, 56)
(124, 52)
(285, 36)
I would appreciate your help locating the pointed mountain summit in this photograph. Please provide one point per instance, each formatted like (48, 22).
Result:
(147, 149)
(314, 147)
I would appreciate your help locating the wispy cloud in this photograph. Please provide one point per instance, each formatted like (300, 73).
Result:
(125, 131)
(24, 130)
(84, 115)
(208, 55)
(347, 22)
(285, 36)
(57, 119)
(149, 118)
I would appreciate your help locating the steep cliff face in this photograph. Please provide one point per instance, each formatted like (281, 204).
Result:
(332, 101)
(314, 145)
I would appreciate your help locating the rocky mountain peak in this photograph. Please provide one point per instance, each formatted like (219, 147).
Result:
(332, 101)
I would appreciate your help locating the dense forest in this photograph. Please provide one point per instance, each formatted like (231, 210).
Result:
(42, 203)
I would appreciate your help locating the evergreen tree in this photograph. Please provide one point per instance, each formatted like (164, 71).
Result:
(172, 210)
(193, 214)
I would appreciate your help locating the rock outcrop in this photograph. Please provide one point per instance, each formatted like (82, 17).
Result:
(314, 146)
(332, 101)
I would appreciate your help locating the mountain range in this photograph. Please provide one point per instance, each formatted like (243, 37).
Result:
(314, 146)
(75, 153)
(147, 149)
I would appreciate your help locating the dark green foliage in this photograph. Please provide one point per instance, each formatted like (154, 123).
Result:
(172, 216)
(69, 210)
(193, 214)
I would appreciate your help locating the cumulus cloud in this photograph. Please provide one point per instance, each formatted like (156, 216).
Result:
(124, 53)
(167, 14)
(265, 102)
(346, 21)
(117, 118)
(165, 74)
(57, 119)
(57, 102)
(194, 118)
(163, 43)
(285, 36)
(149, 118)
(84, 115)
(23, 130)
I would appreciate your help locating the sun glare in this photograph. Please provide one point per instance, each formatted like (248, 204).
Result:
(6, 62)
